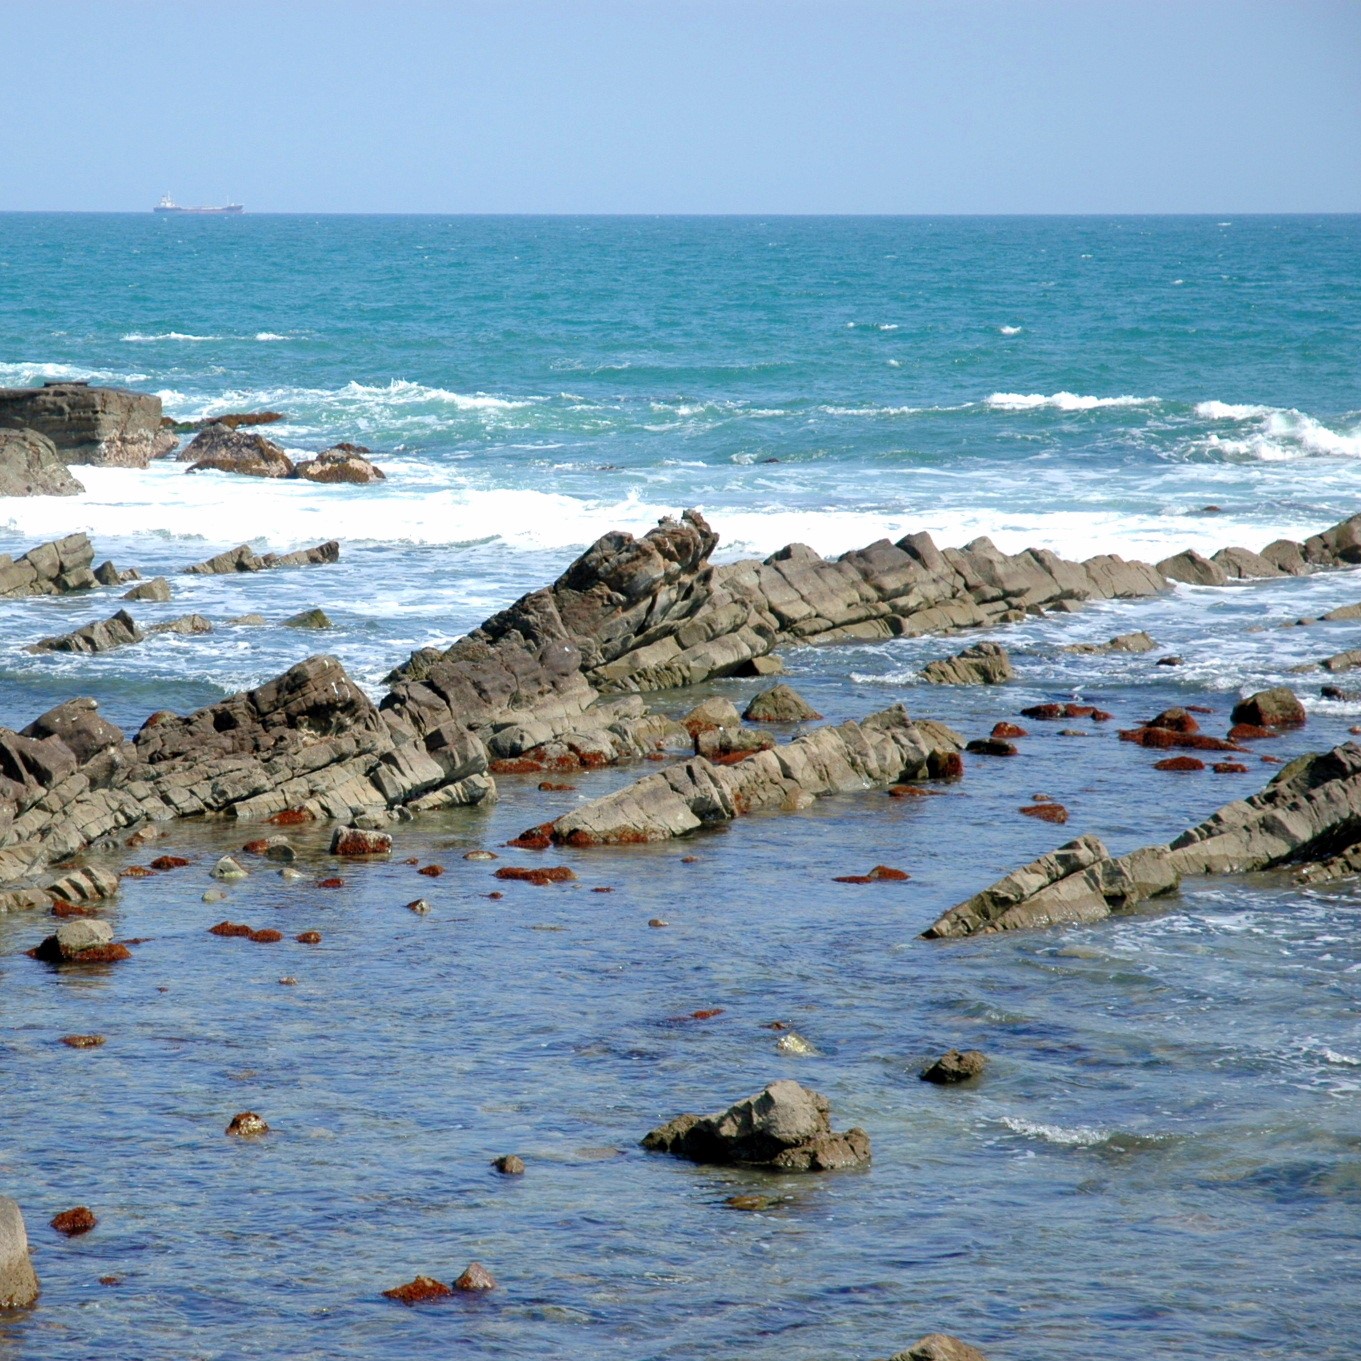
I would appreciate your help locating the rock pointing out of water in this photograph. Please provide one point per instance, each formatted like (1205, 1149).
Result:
(103, 635)
(981, 664)
(1308, 816)
(18, 1281)
(784, 1127)
(111, 427)
(30, 466)
(50, 568)
(222, 449)
(780, 704)
(342, 463)
(245, 559)
(939, 1347)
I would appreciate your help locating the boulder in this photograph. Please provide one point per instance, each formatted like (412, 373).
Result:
(30, 466)
(939, 1347)
(1122, 642)
(781, 704)
(981, 664)
(709, 714)
(784, 1127)
(50, 568)
(352, 841)
(1347, 612)
(1278, 708)
(77, 724)
(221, 449)
(245, 559)
(342, 463)
(1241, 564)
(186, 624)
(18, 1281)
(157, 589)
(955, 1066)
(247, 1125)
(1342, 661)
(309, 619)
(112, 427)
(102, 635)
(1286, 555)
(83, 940)
(1193, 569)
(475, 1277)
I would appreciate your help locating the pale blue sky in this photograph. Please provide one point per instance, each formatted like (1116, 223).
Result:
(674, 106)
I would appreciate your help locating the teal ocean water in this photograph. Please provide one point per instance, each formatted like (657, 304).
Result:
(1165, 1160)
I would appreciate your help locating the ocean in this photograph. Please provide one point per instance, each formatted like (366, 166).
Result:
(1165, 1158)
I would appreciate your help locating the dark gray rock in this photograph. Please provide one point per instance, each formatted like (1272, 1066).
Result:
(245, 559)
(102, 635)
(30, 466)
(50, 568)
(784, 1127)
(955, 1066)
(112, 427)
(222, 449)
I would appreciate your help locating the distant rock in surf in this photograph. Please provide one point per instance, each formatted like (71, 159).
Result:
(245, 559)
(222, 449)
(50, 568)
(341, 463)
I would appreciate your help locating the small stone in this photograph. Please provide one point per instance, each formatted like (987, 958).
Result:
(82, 1041)
(228, 870)
(1181, 764)
(333, 882)
(309, 619)
(475, 1277)
(955, 1066)
(111, 1280)
(215, 895)
(1008, 730)
(1169, 661)
(169, 862)
(749, 1203)
(1047, 812)
(308, 938)
(548, 874)
(75, 1222)
(418, 1291)
(795, 1044)
(658, 922)
(509, 1165)
(480, 855)
(267, 936)
(291, 876)
(247, 1125)
(991, 746)
(419, 906)
(288, 981)
(431, 871)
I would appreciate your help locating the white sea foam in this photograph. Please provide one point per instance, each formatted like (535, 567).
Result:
(1076, 1136)
(26, 373)
(1010, 330)
(138, 338)
(1230, 411)
(1283, 434)
(1060, 401)
(270, 335)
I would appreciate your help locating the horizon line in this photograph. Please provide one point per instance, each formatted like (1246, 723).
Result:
(745, 214)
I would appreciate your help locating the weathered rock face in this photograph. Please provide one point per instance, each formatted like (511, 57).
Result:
(939, 1347)
(1309, 815)
(955, 1066)
(1193, 569)
(342, 463)
(245, 559)
(50, 569)
(784, 1127)
(108, 426)
(780, 704)
(232, 421)
(981, 664)
(30, 466)
(158, 589)
(1278, 708)
(221, 449)
(1122, 642)
(101, 635)
(886, 748)
(18, 1281)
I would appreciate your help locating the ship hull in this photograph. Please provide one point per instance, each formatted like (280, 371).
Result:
(230, 208)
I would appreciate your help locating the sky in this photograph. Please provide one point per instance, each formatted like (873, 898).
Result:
(683, 106)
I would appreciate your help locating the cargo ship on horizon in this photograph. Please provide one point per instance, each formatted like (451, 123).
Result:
(168, 205)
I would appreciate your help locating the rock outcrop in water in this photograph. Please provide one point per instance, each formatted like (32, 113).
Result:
(245, 559)
(981, 664)
(220, 448)
(1308, 816)
(30, 466)
(112, 427)
(939, 1347)
(347, 463)
(784, 1127)
(50, 568)
(102, 635)
(886, 748)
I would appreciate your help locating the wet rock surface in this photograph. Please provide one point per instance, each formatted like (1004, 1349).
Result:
(31, 466)
(18, 1281)
(784, 1127)
(245, 559)
(939, 1347)
(111, 427)
(50, 568)
(347, 463)
(955, 1066)
(981, 664)
(221, 449)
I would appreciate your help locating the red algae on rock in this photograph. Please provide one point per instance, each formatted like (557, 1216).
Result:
(331, 883)
(1047, 812)
(247, 1125)
(82, 1041)
(548, 874)
(291, 817)
(1179, 763)
(431, 871)
(169, 862)
(229, 928)
(1008, 730)
(61, 908)
(75, 1222)
(419, 1291)
(1229, 768)
(136, 872)
(267, 936)
(308, 938)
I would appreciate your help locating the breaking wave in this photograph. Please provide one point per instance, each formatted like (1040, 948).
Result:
(1060, 401)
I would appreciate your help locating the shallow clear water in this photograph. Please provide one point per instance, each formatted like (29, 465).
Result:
(1164, 1158)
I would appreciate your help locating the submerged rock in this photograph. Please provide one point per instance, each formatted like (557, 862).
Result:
(784, 1127)
(18, 1281)
(247, 1125)
(30, 466)
(509, 1165)
(111, 427)
(75, 1222)
(245, 559)
(939, 1347)
(1122, 642)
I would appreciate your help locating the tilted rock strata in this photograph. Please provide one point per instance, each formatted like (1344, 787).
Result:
(1309, 815)
(886, 748)
(245, 559)
(30, 466)
(101, 635)
(981, 664)
(112, 427)
(50, 568)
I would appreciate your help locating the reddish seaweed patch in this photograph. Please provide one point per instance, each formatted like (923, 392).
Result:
(169, 862)
(1047, 812)
(419, 1291)
(1179, 763)
(548, 874)
(75, 1222)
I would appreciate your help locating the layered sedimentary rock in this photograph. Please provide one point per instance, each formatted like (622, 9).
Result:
(245, 559)
(784, 1127)
(1308, 816)
(50, 568)
(112, 427)
(30, 466)
(981, 664)
(886, 748)
(101, 635)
